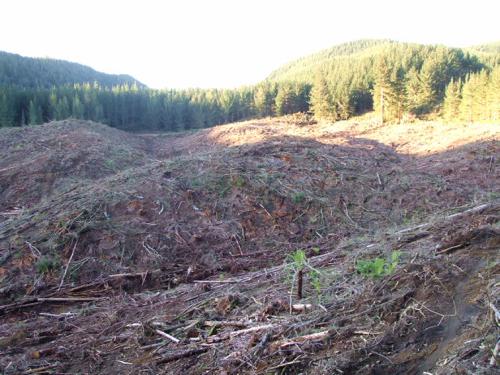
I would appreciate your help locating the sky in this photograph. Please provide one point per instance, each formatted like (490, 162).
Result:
(226, 43)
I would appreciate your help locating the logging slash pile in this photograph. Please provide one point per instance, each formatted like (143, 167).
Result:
(264, 247)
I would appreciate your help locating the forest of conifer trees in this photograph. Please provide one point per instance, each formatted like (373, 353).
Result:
(395, 79)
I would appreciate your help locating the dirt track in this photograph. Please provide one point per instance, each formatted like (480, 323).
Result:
(187, 234)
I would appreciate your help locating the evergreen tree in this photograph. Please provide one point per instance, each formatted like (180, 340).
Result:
(285, 100)
(77, 109)
(62, 110)
(452, 99)
(35, 115)
(493, 97)
(387, 92)
(7, 113)
(412, 91)
(321, 100)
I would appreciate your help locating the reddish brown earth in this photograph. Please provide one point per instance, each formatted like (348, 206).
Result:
(109, 239)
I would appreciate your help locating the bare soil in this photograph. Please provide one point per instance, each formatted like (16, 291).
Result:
(110, 242)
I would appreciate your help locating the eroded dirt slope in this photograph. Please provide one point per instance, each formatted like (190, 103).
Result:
(187, 235)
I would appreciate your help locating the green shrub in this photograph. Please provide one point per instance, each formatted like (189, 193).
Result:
(46, 264)
(378, 267)
(297, 261)
(298, 197)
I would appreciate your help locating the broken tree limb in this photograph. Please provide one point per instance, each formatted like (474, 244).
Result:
(473, 210)
(180, 354)
(67, 266)
(302, 339)
(167, 336)
(39, 300)
(300, 281)
(229, 323)
(302, 307)
(230, 335)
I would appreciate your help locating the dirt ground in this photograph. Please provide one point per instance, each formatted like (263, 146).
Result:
(171, 253)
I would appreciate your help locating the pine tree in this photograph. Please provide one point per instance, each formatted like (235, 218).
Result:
(389, 91)
(35, 115)
(467, 109)
(77, 109)
(493, 97)
(62, 110)
(412, 91)
(285, 100)
(321, 100)
(426, 94)
(452, 99)
(7, 113)
(382, 88)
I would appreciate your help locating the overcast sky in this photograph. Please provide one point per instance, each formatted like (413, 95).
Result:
(226, 43)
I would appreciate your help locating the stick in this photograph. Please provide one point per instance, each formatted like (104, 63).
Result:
(215, 281)
(301, 339)
(166, 335)
(300, 280)
(182, 354)
(450, 249)
(473, 210)
(493, 358)
(68, 299)
(225, 336)
(229, 323)
(301, 307)
(67, 266)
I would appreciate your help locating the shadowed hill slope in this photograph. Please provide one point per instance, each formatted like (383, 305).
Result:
(29, 72)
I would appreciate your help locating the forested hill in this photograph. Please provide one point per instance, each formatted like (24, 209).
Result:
(28, 72)
(490, 48)
(348, 78)
(397, 80)
(358, 58)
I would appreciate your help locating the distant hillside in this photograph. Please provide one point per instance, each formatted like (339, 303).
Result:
(488, 53)
(349, 78)
(493, 47)
(302, 69)
(357, 58)
(28, 72)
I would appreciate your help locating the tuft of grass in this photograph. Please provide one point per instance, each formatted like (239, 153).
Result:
(378, 267)
(46, 264)
(238, 181)
(299, 197)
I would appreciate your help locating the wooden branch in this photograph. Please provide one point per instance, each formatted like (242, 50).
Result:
(473, 210)
(180, 354)
(300, 282)
(228, 323)
(302, 339)
(167, 336)
(67, 265)
(302, 307)
(215, 281)
(38, 300)
(137, 274)
(68, 299)
(230, 335)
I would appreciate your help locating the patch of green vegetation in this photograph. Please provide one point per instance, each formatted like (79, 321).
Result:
(378, 267)
(298, 197)
(239, 181)
(110, 164)
(222, 186)
(46, 264)
(297, 262)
